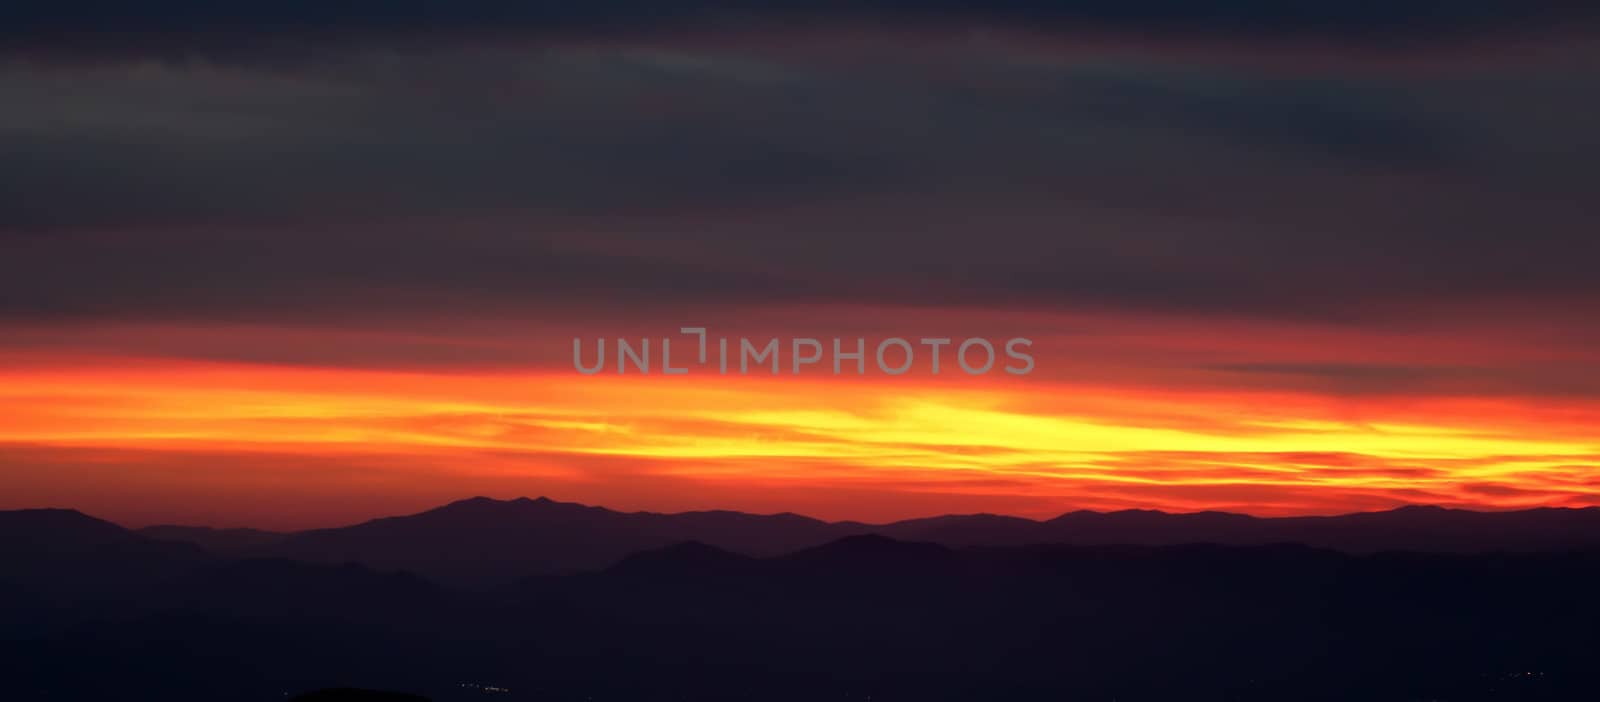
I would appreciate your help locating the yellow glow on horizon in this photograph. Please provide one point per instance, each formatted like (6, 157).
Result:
(788, 431)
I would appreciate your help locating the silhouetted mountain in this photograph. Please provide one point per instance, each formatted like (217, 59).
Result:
(868, 616)
(482, 541)
(217, 541)
(1426, 528)
(246, 630)
(690, 557)
(963, 530)
(283, 588)
(1416, 528)
(54, 530)
(1142, 526)
(492, 541)
(57, 552)
(863, 616)
(870, 553)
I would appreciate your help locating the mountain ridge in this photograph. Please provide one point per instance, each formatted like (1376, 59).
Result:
(545, 500)
(482, 541)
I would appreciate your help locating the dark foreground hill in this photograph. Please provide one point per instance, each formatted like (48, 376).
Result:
(347, 694)
(856, 618)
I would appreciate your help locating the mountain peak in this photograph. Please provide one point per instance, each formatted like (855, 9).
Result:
(1422, 509)
(686, 556)
(485, 502)
(873, 550)
(69, 525)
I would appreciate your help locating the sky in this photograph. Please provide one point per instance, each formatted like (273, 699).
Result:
(284, 265)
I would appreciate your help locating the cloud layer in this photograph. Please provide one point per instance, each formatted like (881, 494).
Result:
(1283, 257)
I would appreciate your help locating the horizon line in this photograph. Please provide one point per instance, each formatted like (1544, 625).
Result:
(550, 500)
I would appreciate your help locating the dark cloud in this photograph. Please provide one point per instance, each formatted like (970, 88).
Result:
(1548, 379)
(530, 178)
(68, 26)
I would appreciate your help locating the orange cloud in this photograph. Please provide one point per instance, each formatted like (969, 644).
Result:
(848, 447)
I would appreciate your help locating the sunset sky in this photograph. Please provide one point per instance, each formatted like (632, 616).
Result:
(296, 267)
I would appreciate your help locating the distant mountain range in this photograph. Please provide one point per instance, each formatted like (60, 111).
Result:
(90, 611)
(483, 541)
(729, 606)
